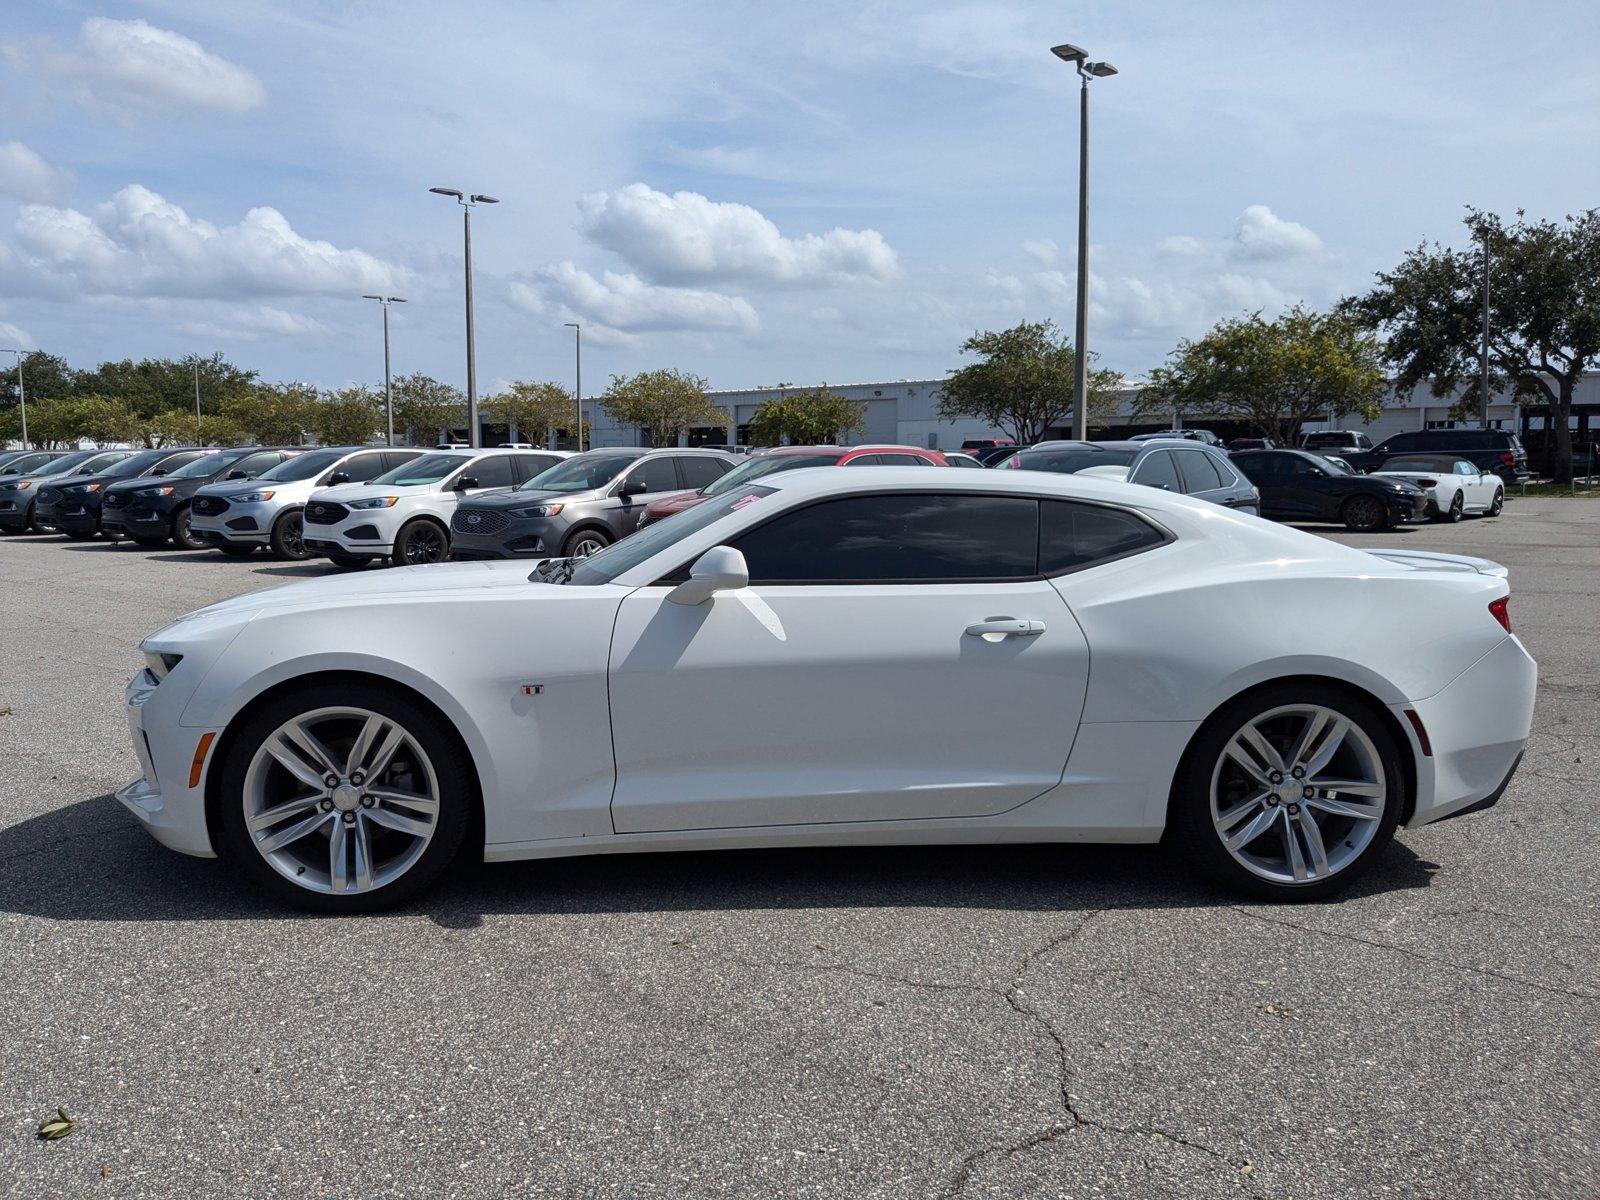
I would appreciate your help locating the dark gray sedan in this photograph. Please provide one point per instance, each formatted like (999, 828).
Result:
(581, 505)
(1191, 467)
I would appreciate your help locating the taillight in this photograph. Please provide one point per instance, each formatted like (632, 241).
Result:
(1426, 482)
(1500, 610)
(1507, 459)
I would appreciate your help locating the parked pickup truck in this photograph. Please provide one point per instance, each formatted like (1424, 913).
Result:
(1351, 445)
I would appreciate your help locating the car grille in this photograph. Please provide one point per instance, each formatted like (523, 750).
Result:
(50, 496)
(116, 500)
(209, 506)
(325, 512)
(479, 520)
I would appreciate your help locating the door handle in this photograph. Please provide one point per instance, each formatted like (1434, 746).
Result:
(998, 628)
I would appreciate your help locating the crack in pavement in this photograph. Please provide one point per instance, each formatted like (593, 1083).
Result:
(1434, 960)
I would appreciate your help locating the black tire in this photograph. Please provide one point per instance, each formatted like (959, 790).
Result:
(182, 536)
(457, 799)
(347, 562)
(1458, 506)
(1190, 821)
(421, 541)
(1499, 504)
(1363, 513)
(288, 532)
(585, 542)
(33, 525)
(236, 549)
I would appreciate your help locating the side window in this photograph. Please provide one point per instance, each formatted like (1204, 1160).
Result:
(398, 458)
(364, 468)
(1158, 471)
(698, 471)
(1200, 474)
(657, 473)
(525, 466)
(1401, 442)
(491, 472)
(1075, 535)
(866, 460)
(897, 538)
(1299, 468)
(253, 464)
(901, 460)
(1363, 442)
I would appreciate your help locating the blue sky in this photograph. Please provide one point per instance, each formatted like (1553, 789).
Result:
(757, 193)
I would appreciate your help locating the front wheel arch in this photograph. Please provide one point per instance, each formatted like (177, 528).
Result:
(1408, 755)
(334, 679)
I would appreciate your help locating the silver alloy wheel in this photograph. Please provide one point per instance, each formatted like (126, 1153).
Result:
(1298, 793)
(587, 544)
(341, 800)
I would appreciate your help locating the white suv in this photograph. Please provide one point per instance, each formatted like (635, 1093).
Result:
(405, 514)
(238, 515)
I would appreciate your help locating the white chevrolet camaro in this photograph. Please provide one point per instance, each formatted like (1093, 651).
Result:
(885, 655)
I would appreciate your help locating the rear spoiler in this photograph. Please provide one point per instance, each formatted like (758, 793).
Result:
(1430, 560)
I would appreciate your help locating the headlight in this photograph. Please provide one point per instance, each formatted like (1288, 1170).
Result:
(22, 487)
(160, 665)
(538, 510)
(375, 502)
(253, 497)
(162, 491)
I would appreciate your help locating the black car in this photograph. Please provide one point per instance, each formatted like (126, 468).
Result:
(72, 506)
(1298, 486)
(995, 455)
(152, 510)
(1493, 450)
(19, 494)
(1194, 468)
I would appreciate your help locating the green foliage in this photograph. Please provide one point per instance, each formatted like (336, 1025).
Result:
(663, 403)
(273, 414)
(425, 407)
(1272, 374)
(811, 418)
(155, 385)
(1544, 314)
(44, 377)
(351, 416)
(1023, 382)
(534, 408)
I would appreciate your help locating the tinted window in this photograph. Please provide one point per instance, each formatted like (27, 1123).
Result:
(174, 462)
(1403, 441)
(1074, 535)
(656, 473)
(891, 537)
(696, 472)
(1158, 471)
(1069, 460)
(767, 464)
(135, 464)
(364, 468)
(1295, 465)
(865, 460)
(901, 460)
(961, 460)
(582, 473)
(254, 464)
(526, 466)
(1261, 468)
(1200, 473)
(493, 471)
(303, 466)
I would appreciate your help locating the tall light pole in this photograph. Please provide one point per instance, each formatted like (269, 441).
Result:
(577, 391)
(22, 395)
(1087, 70)
(1483, 346)
(388, 383)
(197, 438)
(467, 204)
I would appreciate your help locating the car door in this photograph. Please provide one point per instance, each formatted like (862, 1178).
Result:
(652, 477)
(487, 474)
(1203, 479)
(1309, 491)
(896, 656)
(1479, 487)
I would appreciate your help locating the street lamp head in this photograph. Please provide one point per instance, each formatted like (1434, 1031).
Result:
(1099, 69)
(369, 297)
(482, 199)
(394, 299)
(446, 192)
(571, 325)
(1069, 53)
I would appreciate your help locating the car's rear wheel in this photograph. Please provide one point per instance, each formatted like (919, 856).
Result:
(1289, 793)
(586, 542)
(1363, 514)
(288, 537)
(419, 542)
(182, 534)
(344, 799)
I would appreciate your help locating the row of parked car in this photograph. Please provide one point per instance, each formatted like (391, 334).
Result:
(356, 505)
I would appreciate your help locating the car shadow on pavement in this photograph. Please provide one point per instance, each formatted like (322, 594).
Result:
(90, 861)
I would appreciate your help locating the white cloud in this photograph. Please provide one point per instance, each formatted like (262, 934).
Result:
(625, 304)
(251, 322)
(1043, 251)
(1261, 234)
(685, 238)
(26, 176)
(139, 244)
(133, 68)
(16, 339)
(1182, 246)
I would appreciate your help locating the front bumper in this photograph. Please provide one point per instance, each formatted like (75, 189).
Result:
(361, 533)
(1478, 727)
(15, 511)
(519, 537)
(238, 525)
(172, 811)
(70, 516)
(139, 519)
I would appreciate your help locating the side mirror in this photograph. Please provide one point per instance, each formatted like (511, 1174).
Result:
(158, 472)
(719, 569)
(466, 482)
(337, 477)
(633, 487)
(239, 475)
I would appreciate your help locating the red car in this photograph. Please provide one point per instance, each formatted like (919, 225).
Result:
(792, 458)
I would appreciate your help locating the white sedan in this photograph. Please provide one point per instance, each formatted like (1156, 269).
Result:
(1454, 485)
(869, 657)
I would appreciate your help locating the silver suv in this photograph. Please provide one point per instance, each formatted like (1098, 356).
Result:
(581, 505)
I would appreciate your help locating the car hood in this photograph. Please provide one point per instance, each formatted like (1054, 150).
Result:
(35, 482)
(512, 498)
(674, 503)
(241, 487)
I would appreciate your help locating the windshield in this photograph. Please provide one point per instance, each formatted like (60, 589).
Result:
(1070, 461)
(767, 464)
(1337, 464)
(210, 464)
(303, 466)
(65, 463)
(580, 474)
(652, 539)
(430, 468)
(136, 464)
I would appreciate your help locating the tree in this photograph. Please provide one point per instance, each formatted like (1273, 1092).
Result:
(348, 417)
(1544, 314)
(274, 414)
(812, 418)
(1272, 374)
(176, 427)
(534, 408)
(663, 403)
(426, 407)
(1023, 383)
(44, 377)
(157, 385)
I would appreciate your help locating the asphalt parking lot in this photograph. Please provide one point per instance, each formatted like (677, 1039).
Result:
(1011, 1022)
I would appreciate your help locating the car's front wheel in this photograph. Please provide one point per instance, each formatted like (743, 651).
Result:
(182, 534)
(1499, 503)
(586, 542)
(1289, 793)
(344, 799)
(288, 537)
(421, 541)
(1363, 514)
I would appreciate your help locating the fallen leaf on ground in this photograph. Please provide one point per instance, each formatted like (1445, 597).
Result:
(53, 1129)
